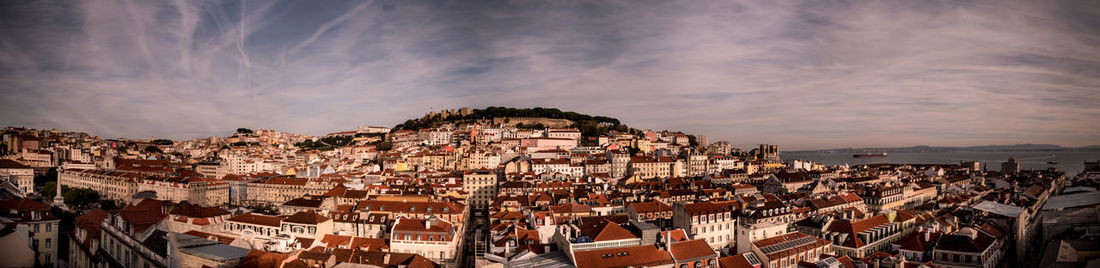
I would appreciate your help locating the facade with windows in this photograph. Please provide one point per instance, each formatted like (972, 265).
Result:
(708, 221)
(434, 238)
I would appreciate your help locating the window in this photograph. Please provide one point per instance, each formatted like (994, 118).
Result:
(36, 227)
(49, 226)
(48, 243)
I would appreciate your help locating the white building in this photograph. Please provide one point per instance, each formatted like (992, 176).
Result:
(708, 221)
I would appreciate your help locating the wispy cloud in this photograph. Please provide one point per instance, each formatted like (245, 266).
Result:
(801, 74)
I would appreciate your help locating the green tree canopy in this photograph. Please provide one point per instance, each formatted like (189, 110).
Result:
(153, 149)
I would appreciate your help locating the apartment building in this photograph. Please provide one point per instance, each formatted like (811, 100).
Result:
(111, 184)
(708, 221)
(480, 186)
(42, 225)
(199, 191)
(434, 238)
(84, 240)
(22, 176)
(130, 237)
(786, 251)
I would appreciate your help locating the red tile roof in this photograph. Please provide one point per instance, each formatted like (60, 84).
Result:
(636, 256)
(612, 231)
(258, 219)
(691, 250)
(306, 217)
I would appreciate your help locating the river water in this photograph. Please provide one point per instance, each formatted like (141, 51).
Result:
(1071, 162)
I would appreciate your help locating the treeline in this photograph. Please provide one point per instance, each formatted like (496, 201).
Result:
(499, 112)
(326, 143)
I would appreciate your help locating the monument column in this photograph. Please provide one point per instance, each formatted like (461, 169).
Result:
(58, 200)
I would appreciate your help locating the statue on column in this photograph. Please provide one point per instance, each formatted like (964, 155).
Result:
(58, 200)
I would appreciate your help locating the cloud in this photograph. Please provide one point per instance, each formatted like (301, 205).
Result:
(800, 74)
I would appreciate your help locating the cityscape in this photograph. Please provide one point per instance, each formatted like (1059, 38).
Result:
(507, 187)
(556, 134)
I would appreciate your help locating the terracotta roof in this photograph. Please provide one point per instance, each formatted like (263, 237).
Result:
(636, 256)
(388, 259)
(612, 231)
(11, 164)
(90, 221)
(258, 219)
(195, 211)
(675, 235)
(306, 217)
(651, 206)
(915, 241)
(144, 214)
(263, 259)
(305, 201)
(705, 208)
(220, 238)
(691, 250)
(853, 228)
(962, 243)
(23, 204)
(418, 225)
(736, 261)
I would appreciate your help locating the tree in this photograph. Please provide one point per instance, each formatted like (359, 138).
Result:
(153, 149)
(244, 131)
(384, 146)
(51, 175)
(79, 198)
(50, 189)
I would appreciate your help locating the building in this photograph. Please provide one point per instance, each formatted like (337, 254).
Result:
(748, 233)
(111, 184)
(655, 212)
(630, 256)
(692, 253)
(650, 167)
(480, 186)
(707, 221)
(434, 238)
(199, 191)
(40, 223)
(1011, 166)
(543, 144)
(130, 237)
(22, 176)
(788, 250)
(307, 224)
(968, 247)
(186, 217)
(84, 240)
(15, 240)
(598, 233)
(859, 238)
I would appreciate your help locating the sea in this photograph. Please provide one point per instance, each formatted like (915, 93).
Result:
(1070, 162)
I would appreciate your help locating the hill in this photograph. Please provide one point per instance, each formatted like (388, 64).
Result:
(589, 125)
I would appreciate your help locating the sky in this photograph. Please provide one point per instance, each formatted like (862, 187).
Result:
(800, 74)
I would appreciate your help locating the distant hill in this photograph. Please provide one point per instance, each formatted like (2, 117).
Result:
(589, 125)
(925, 148)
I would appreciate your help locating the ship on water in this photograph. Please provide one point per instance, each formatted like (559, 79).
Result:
(868, 155)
